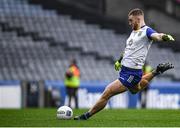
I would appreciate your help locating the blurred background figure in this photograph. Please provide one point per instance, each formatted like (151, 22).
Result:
(72, 82)
(143, 94)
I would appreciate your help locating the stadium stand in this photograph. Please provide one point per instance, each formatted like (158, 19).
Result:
(36, 44)
(170, 7)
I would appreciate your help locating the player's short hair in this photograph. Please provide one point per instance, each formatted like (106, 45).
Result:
(136, 12)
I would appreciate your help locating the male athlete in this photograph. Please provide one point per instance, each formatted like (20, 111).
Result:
(132, 61)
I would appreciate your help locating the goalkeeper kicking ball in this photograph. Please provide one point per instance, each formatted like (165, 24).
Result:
(64, 112)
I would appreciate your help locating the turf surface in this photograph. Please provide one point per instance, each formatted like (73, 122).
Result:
(105, 118)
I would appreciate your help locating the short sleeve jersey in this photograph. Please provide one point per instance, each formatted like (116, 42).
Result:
(137, 47)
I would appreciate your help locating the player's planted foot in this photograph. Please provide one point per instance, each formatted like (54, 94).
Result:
(162, 68)
(84, 116)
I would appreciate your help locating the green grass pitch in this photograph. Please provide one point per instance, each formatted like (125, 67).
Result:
(105, 118)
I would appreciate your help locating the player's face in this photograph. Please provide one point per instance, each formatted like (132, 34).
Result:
(134, 22)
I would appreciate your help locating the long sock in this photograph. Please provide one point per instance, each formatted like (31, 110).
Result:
(155, 73)
(87, 114)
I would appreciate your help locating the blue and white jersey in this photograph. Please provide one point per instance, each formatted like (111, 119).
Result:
(137, 47)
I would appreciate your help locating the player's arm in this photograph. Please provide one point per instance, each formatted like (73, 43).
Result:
(155, 36)
(161, 37)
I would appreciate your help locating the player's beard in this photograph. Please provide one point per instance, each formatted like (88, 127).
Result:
(135, 26)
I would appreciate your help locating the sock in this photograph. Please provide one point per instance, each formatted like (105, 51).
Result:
(155, 73)
(87, 114)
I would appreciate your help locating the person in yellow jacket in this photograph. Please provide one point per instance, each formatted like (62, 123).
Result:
(72, 82)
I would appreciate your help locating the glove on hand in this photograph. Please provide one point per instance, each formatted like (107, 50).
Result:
(117, 65)
(167, 37)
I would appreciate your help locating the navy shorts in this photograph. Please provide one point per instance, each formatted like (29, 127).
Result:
(130, 77)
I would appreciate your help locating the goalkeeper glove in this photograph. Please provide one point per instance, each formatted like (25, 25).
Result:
(167, 37)
(117, 65)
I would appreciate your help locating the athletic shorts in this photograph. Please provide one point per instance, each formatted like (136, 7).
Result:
(130, 77)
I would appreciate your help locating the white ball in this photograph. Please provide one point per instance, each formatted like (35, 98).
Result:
(64, 112)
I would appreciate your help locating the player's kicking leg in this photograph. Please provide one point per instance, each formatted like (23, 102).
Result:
(148, 77)
(112, 89)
